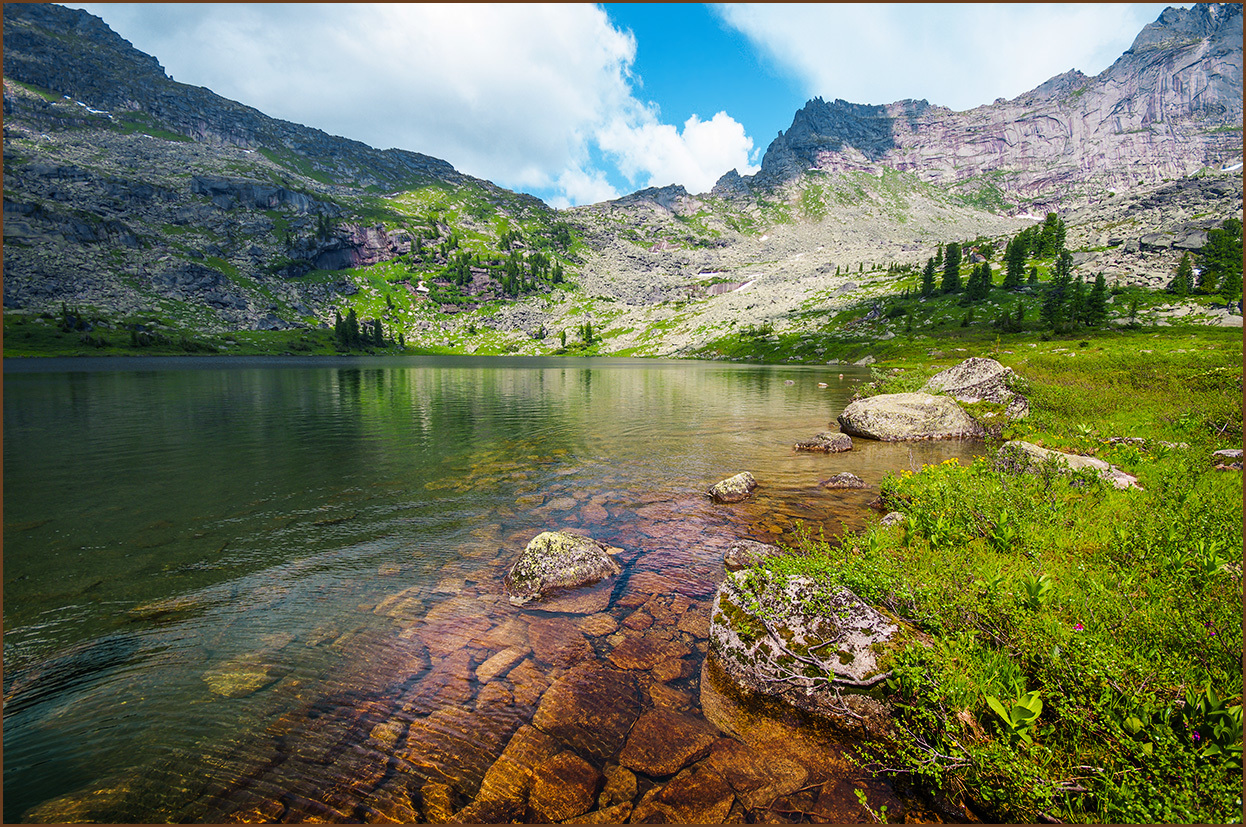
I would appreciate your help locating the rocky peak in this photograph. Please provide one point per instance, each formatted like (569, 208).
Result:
(1176, 26)
(1168, 108)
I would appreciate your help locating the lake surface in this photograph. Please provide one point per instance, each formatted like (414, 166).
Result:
(272, 588)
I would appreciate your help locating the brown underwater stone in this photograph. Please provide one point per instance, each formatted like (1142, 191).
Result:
(663, 742)
(591, 708)
(562, 787)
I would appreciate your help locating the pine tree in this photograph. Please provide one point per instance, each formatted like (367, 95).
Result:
(939, 256)
(1014, 260)
(928, 279)
(1222, 258)
(402, 344)
(1054, 310)
(1181, 282)
(951, 269)
(378, 335)
(352, 329)
(1097, 302)
(563, 337)
(1032, 281)
(1077, 302)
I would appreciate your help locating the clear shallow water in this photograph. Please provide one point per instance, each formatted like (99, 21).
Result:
(221, 576)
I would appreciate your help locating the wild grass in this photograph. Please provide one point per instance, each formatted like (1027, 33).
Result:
(1116, 614)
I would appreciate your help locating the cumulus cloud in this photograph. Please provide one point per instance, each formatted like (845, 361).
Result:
(955, 55)
(517, 94)
(656, 154)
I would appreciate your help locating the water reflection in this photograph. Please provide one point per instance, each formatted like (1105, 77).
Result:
(273, 590)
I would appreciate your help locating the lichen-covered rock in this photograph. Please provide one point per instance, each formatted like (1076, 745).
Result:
(744, 553)
(844, 480)
(558, 560)
(1025, 456)
(892, 518)
(827, 442)
(893, 417)
(733, 489)
(818, 649)
(980, 380)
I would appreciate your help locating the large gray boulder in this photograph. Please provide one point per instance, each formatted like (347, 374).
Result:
(893, 417)
(1028, 457)
(556, 560)
(980, 380)
(821, 650)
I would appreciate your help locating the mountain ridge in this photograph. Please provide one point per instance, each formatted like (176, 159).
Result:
(129, 192)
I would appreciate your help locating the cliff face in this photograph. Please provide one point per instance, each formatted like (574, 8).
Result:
(1168, 107)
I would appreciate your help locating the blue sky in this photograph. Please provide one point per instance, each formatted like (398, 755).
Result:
(578, 103)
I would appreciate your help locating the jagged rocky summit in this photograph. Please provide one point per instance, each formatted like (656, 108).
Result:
(1167, 108)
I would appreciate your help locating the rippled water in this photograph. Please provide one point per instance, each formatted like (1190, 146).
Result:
(272, 588)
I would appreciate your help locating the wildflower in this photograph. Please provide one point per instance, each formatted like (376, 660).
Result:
(1077, 627)
(1196, 736)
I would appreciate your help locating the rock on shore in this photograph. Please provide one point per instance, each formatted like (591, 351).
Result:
(894, 417)
(818, 649)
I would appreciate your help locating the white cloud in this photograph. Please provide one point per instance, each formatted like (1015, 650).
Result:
(657, 154)
(514, 93)
(955, 55)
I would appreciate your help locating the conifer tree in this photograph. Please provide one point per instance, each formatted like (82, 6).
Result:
(928, 279)
(951, 269)
(1014, 260)
(352, 329)
(1181, 282)
(1097, 302)
(378, 335)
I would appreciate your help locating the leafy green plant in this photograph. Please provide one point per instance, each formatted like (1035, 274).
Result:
(1037, 590)
(1020, 714)
(1215, 728)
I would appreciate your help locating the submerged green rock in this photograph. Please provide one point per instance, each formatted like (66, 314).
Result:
(559, 560)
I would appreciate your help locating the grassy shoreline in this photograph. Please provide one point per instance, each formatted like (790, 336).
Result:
(1077, 648)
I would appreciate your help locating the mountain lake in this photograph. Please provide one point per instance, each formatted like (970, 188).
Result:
(272, 588)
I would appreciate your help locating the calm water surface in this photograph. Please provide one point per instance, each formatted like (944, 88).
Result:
(272, 588)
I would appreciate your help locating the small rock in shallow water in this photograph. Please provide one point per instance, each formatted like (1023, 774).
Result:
(558, 560)
(827, 442)
(733, 489)
(744, 553)
(844, 480)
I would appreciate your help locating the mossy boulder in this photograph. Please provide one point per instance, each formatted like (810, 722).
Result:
(895, 417)
(980, 380)
(733, 489)
(820, 649)
(558, 560)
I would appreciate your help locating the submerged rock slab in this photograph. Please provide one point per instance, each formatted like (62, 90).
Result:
(590, 709)
(895, 417)
(664, 742)
(555, 560)
(801, 642)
